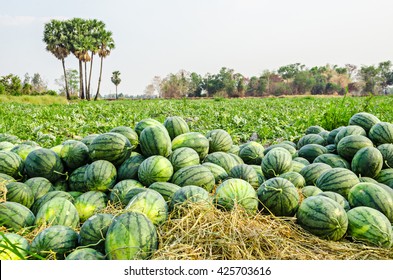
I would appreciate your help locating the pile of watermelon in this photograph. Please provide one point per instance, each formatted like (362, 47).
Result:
(338, 184)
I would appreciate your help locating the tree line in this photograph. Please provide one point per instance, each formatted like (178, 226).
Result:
(292, 79)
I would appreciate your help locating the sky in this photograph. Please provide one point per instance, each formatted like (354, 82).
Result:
(156, 37)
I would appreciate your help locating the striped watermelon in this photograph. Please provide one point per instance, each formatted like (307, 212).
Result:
(238, 160)
(252, 153)
(367, 162)
(23, 150)
(323, 217)
(57, 211)
(349, 145)
(371, 195)
(332, 135)
(188, 195)
(308, 191)
(197, 175)
(90, 203)
(6, 146)
(85, 254)
(44, 163)
(155, 140)
(152, 204)
(314, 129)
(113, 147)
(183, 157)
(385, 177)
(295, 178)
(57, 149)
(313, 171)
(5, 179)
(219, 140)
(21, 193)
(129, 168)
(100, 176)
(311, 139)
(218, 172)
(120, 190)
(339, 180)
(131, 193)
(279, 197)
(331, 148)
(13, 246)
(333, 160)
(387, 154)
(292, 150)
(302, 160)
(56, 239)
(129, 133)
(11, 164)
(39, 186)
(14, 216)
(297, 166)
(76, 180)
(350, 130)
(131, 236)
(236, 192)
(47, 197)
(155, 169)
(261, 177)
(276, 162)
(381, 133)
(370, 226)
(61, 185)
(363, 119)
(324, 134)
(193, 140)
(245, 172)
(166, 189)
(88, 139)
(141, 125)
(175, 126)
(234, 149)
(312, 151)
(9, 138)
(93, 231)
(336, 197)
(74, 154)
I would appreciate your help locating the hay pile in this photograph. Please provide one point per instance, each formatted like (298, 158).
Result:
(207, 233)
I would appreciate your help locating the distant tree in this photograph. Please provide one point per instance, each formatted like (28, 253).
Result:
(149, 90)
(73, 82)
(385, 74)
(195, 85)
(38, 84)
(11, 84)
(156, 84)
(116, 79)
(289, 71)
(303, 82)
(369, 76)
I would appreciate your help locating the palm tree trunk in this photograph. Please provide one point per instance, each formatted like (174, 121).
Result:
(116, 92)
(65, 79)
(86, 92)
(81, 88)
(99, 79)
(91, 68)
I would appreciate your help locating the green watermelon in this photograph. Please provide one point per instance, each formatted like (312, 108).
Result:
(252, 153)
(6, 146)
(292, 150)
(197, 175)
(261, 177)
(313, 171)
(57, 211)
(39, 186)
(166, 189)
(120, 190)
(218, 172)
(74, 154)
(61, 185)
(314, 129)
(175, 126)
(155, 141)
(11, 164)
(88, 139)
(363, 119)
(129, 168)
(193, 140)
(131, 193)
(15, 216)
(23, 150)
(21, 193)
(131, 236)
(333, 160)
(295, 178)
(85, 254)
(219, 140)
(312, 151)
(245, 172)
(336, 197)
(235, 149)
(367, 162)
(57, 239)
(183, 157)
(76, 180)
(100, 175)
(5, 179)
(90, 203)
(297, 166)
(9, 138)
(112, 146)
(189, 195)
(308, 191)
(311, 139)
(276, 162)
(385, 177)
(236, 192)
(322, 217)
(155, 169)
(13, 246)
(129, 133)
(350, 130)
(370, 226)
(302, 160)
(331, 148)
(279, 197)
(141, 125)
(222, 159)
(44, 163)
(339, 180)
(48, 196)
(332, 135)
(349, 145)
(387, 154)
(381, 133)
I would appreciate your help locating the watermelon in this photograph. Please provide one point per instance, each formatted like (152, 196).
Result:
(129, 168)
(100, 175)
(89, 203)
(39, 186)
(222, 159)
(155, 169)
(252, 153)
(189, 195)
(245, 172)
(311, 151)
(370, 226)
(301, 160)
(21, 193)
(218, 172)
(372, 195)
(131, 193)
(47, 197)
(295, 178)
(57, 211)
(111, 146)
(183, 157)
(336, 197)
(293, 144)
(175, 126)
(93, 231)
(322, 217)
(367, 162)
(234, 149)
(279, 197)
(88, 139)
(120, 190)
(155, 140)
(332, 135)
(166, 189)
(276, 162)
(219, 140)
(57, 149)
(152, 204)
(236, 192)
(339, 180)
(15, 216)
(76, 180)
(368, 180)
(9, 138)
(333, 160)
(129, 133)
(311, 139)
(85, 254)
(61, 185)
(324, 134)
(23, 150)
(11, 164)
(261, 177)
(314, 129)
(385, 177)
(13, 246)
(5, 179)
(350, 130)
(197, 175)
(44, 163)
(56, 239)
(310, 191)
(313, 171)
(236, 158)
(349, 145)
(287, 147)
(331, 148)
(131, 236)
(193, 140)
(74, 154)
(6, 146)
(381, 133)
(387, 154)
(141, 125)
(363, 119)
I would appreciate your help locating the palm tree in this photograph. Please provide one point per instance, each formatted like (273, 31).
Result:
(116, 79)
(106, 44)
(56, 40)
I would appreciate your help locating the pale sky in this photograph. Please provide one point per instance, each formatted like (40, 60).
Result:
(158, 37)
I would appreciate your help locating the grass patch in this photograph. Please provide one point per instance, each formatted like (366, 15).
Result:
(35, 100)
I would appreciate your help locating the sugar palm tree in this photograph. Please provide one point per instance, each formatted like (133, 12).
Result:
(116, 79)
